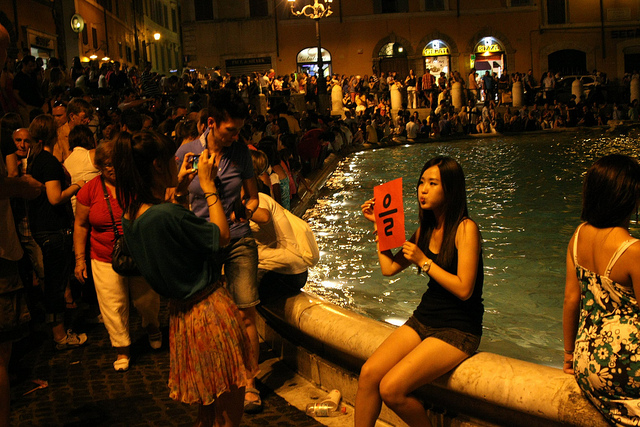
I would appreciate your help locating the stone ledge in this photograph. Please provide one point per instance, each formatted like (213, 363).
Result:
(329, 344)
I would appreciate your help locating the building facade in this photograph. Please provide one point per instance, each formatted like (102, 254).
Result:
(366, 36)
(101, 30)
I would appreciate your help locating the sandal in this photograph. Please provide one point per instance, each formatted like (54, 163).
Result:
(121, 365)
(252, 406)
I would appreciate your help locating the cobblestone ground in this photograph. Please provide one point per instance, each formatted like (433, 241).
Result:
(84, 389)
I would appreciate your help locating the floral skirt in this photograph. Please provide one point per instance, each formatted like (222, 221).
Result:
(209, 348)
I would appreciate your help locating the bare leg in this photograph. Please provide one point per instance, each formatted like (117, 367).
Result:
(428, 361)
(123, 352)
(249, 317)
(5, 398)
(226, 411)
(59, 332)
(229, 408)
(368, 400)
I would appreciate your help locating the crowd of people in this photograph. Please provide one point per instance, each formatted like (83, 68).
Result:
(199, 184)
(87, 171)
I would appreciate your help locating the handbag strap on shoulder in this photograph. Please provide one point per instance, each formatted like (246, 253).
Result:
(107, 199)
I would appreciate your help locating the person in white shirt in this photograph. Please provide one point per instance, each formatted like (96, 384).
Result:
(412, 128)
(282, 268)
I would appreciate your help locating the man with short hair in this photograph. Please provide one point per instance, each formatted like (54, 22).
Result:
(59, 113)
(25, 88)
(117, 79)
(412, 128)
(79, 112)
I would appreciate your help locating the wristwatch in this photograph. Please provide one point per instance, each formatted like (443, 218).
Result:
(424, 269)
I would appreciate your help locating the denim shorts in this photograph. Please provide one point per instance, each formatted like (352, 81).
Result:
(463, 341)
(241, 271)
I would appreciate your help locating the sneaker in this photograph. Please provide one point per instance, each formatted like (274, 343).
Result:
(72, 340)
(155, 340)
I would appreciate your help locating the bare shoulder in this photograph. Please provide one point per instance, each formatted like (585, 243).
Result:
(634, 250)
(467, 233)
(467, 227)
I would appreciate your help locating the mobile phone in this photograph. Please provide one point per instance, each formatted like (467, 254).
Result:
(194, 160)
(239, 209)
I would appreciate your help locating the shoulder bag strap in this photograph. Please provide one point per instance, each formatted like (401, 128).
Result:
(106, 199)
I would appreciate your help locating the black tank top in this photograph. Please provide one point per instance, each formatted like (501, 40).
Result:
(439, 308)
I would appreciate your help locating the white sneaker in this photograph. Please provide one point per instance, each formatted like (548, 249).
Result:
(72, 340)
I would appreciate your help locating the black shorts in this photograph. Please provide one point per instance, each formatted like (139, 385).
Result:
(463, 341)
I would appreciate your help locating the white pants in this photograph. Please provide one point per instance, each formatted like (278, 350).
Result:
(113, 298)
(411, 97)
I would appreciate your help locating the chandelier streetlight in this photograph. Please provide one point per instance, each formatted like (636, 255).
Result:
(318, 10)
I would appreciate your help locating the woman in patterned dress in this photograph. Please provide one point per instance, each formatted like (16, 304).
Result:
(601, 312)
(178, 253)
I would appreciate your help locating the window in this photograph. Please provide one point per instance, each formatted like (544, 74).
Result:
(166, 16)
(204, 9)
(105, 4)
(85, 35)
(94, 36)
(128, 51)
(258, 8)
(173, 20)
(556, 12)
(516, 3)
(434, 4)
(390, 6)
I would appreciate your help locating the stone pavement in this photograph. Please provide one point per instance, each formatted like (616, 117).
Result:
(84, 389)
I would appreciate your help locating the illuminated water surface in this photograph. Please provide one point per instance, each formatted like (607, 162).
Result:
(524, 193)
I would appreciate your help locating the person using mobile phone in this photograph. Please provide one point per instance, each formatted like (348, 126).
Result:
(226, 115)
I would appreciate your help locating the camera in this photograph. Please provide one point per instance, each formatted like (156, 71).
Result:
(194, 161)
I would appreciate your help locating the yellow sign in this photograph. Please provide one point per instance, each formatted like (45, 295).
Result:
(435, 52)
(488, 48)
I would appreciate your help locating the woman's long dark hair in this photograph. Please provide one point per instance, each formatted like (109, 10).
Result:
(455, 209)
(133, 157)
(611, 191)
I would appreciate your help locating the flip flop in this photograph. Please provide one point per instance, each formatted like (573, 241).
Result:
(252, 406)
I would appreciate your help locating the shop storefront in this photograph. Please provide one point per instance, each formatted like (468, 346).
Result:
(247, 66)
(42, 45)
(437, 58)
(489, 55)
(307, 61)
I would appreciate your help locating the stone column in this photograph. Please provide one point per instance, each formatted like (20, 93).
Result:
(577, 90)
(517, 94)
(262, 105)
(457, 95)
(396, 98)
(635, 89)
(337, 106)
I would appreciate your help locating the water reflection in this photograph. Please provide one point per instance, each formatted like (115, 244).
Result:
(524, 192)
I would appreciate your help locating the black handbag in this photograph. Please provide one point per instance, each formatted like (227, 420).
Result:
(121, 260)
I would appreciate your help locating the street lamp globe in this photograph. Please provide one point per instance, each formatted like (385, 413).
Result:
(156, 36)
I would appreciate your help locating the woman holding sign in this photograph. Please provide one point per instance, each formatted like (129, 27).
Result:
(446, 327)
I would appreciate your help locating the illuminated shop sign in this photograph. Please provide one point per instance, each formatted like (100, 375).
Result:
(436, 48)
(488, 45)
(310, 55)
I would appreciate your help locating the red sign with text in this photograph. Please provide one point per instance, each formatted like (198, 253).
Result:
(389, 214)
